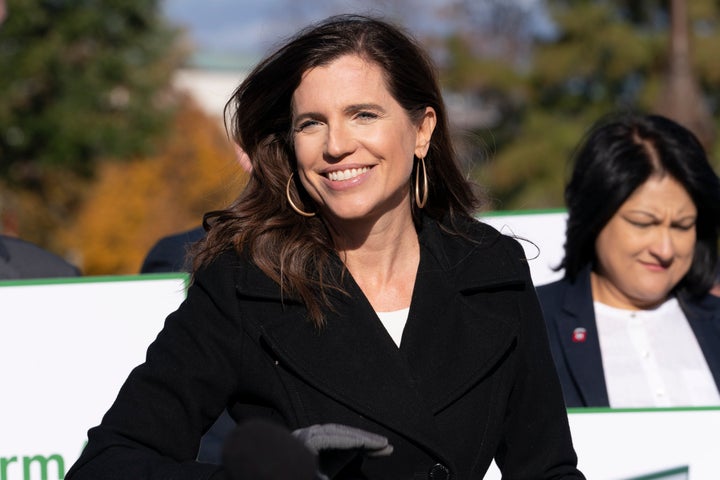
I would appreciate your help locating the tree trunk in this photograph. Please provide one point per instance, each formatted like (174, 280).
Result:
(681, 98)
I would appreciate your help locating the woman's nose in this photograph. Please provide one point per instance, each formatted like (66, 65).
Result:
(662, 246)
(340, 141)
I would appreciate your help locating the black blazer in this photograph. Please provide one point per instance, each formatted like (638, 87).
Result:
(569, 306)
(472, 380)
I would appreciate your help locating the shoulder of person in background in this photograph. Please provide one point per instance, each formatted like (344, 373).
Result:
(715, 290)
(169, 253)
(20, 259)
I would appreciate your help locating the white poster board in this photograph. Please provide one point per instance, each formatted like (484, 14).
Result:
(66, 348)
(648, 444)
(645, 444)
(542, 236)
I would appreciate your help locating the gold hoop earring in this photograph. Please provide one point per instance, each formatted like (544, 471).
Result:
(292, 204)
(421, 201)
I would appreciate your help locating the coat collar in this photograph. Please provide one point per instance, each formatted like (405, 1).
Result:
(450, 341)
(470, 259)
(579, 341)
(474, 258)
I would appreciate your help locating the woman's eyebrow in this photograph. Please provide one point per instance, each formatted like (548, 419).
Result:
(363, 106)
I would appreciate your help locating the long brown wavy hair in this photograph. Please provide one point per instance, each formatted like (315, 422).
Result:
(296, 251)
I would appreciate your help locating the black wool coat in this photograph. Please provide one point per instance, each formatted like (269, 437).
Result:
(472, 380)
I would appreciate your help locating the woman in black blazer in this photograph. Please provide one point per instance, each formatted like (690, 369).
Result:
(348, 284)
(632, 323)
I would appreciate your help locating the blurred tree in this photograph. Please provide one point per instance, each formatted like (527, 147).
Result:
(82, 81)
(133, 204)
(606, 55)
(485, 56)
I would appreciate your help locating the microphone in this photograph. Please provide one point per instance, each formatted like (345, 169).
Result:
(261, 450)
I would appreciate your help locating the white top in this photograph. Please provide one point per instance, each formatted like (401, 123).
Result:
(394, 323)
(651, 358)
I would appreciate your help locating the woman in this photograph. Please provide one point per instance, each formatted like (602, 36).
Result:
(631, 324)
(349, 284)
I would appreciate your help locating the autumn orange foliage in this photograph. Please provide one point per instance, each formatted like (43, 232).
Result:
(133, 204)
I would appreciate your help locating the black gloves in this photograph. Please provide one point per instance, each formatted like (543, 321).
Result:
(341, 449)
(334, 436)
(261, 450)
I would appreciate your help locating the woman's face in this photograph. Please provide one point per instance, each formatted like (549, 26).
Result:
(354, 143)
(647, 246)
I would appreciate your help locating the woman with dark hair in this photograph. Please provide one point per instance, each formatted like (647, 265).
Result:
(348, 294)
(632, 323)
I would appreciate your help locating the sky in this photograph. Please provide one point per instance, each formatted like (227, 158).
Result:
(253, 27)
(250, 26)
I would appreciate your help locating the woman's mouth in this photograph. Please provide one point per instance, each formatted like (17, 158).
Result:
(348, 174)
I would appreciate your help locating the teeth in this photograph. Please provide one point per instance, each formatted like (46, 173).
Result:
(347, 174)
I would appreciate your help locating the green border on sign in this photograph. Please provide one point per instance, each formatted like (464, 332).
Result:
(513, 213)
(96, 279)
(672, 473)
(638, 410)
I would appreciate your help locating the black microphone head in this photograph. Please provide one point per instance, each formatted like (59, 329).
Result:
(261, 450)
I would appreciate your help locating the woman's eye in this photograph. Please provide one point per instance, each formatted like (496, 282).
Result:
(640, 224)
(684, 226)
(305, 125)
(367, 115)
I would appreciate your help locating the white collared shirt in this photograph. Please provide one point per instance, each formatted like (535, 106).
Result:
(651, 358)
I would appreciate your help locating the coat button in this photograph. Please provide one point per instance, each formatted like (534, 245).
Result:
(439, 472)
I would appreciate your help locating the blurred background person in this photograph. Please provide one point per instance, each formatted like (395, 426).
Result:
(171, 253)
(20, 259)
(631, 324)
(715, 290)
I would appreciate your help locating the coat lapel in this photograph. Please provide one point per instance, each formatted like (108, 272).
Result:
(580, 343)
(352, 359)
(704, 319)
(458, 327)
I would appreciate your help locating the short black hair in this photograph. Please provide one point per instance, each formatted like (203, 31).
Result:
(619, 154)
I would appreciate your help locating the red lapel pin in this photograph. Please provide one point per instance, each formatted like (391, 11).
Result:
(579, 335)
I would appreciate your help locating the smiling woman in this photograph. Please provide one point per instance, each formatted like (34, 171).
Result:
(640, 257)
(348, 294)
(355, 148)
